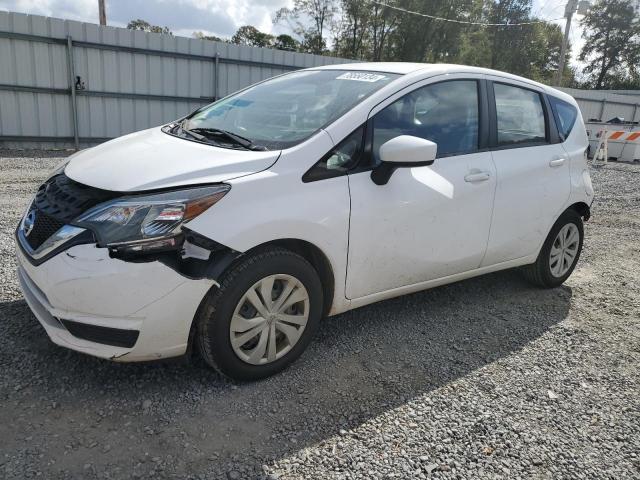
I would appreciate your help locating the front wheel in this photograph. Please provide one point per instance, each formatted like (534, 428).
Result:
(560, 252)
(263, 315)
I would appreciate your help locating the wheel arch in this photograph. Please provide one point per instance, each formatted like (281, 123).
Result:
(582, 209)
(318, 260)
(310, 252)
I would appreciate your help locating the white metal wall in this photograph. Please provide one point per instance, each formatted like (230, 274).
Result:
(132, 80)
(605, 105)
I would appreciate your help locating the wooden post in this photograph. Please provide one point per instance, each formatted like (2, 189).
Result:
(72, 88)
(102, 12)
(216, 76)
(602, 147)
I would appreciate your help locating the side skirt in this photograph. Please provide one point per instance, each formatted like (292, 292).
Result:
(416, 287)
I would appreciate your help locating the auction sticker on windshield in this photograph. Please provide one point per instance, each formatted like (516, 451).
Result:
(361, 76)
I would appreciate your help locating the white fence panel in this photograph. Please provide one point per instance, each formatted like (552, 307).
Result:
(128, 80)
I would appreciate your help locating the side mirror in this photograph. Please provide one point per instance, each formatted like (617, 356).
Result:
(403, 151)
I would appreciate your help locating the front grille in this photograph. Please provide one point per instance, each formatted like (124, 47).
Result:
(63, 199)
(59, 201)
(43, 228)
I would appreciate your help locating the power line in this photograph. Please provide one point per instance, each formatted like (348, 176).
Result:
(463, 22)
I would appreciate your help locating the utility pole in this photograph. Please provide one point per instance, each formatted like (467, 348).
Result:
(569, 10)
(572, 5)
(102, 12)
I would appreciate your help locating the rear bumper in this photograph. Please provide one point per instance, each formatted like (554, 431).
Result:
(109, 308)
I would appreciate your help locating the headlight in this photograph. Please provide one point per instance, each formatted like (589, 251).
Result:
(145, 223)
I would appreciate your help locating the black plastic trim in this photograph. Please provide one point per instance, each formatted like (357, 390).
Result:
(115, 337)
(554, 134)
(382, 173)
(483, 116)
(315, 173)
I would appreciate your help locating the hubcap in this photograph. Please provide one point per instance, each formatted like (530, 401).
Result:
(269, 319)
(564, 250)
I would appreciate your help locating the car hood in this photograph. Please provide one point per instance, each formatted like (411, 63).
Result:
(151, 159)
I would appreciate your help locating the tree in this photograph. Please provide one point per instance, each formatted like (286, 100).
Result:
(543, 50)
(320, 13)
(507, 43)
(530, 49)
(527, 46)
(286, 42)
(202, 36)
(352, 40)
(251, 36)
(364, 30)
(145, 26)
(612, 45)
(418, 38)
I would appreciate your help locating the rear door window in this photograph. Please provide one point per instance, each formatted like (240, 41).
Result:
(520, 115)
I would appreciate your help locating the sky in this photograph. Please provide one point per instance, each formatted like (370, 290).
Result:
(214, 17)
(553, 9)
(183, 17)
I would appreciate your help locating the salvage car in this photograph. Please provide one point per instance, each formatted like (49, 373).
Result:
(234, 230)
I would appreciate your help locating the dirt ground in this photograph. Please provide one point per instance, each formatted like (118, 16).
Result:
(486, 378)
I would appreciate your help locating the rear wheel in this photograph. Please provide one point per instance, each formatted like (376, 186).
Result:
(560, 252)
(263, 315)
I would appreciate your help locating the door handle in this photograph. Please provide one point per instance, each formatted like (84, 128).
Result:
(477, 177)
(556, 161)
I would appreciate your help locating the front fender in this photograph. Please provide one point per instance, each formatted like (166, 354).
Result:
(269, 206)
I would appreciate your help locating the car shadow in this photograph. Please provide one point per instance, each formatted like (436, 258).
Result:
(116, 417)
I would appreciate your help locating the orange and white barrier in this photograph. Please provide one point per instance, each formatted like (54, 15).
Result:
(622, 136)
(622, 145)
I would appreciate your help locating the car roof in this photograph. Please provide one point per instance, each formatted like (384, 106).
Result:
(401, 68)
(405, 68)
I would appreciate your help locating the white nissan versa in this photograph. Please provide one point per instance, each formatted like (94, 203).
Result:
(236, 229)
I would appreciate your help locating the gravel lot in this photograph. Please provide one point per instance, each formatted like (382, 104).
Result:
(487, 378)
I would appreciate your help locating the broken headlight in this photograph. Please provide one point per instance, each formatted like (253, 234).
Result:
(148, 223)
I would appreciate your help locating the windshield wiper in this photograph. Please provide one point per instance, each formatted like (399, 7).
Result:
(178, 129)
(243, 142)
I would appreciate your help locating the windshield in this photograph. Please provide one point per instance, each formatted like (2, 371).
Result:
(285, 110)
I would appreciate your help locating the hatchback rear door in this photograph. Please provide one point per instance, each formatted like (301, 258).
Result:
(532, 167)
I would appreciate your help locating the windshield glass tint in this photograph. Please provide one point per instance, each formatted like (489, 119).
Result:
(283, 111)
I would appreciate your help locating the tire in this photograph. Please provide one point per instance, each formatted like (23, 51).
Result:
(222, 305)
(541, 272)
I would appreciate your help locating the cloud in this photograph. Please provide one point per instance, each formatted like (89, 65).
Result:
(183, 17)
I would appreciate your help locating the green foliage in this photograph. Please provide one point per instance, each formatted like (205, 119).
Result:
(612, 46)
(372, 32)
(361, 29)
(286, 42)
(251, 36)
(145, 26)
(310, 20)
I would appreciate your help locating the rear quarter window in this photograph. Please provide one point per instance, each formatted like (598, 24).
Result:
(565, 115)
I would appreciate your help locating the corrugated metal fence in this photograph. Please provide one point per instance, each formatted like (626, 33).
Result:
(65, 83)
(606, 104)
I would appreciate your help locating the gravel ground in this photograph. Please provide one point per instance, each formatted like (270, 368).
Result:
(486, 378)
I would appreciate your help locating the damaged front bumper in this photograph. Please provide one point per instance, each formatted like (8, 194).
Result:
(106, 307)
